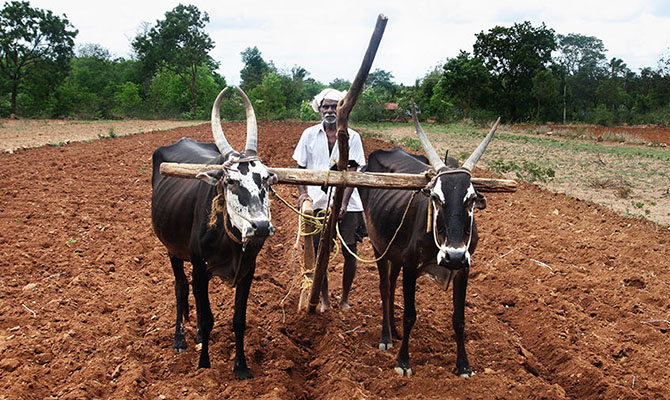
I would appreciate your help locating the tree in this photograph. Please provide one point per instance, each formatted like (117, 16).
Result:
(32, 38)
(340, 84)
(465, 79)
(94, 82)
(254, 70)
(179, 44)
(583, 59)
(268, 98)
(514, 56)
(545, 90)
(381, 82)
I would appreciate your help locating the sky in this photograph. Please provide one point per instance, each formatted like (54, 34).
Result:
(329, 39)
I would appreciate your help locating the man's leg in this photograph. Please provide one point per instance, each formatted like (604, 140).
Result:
(348, 228)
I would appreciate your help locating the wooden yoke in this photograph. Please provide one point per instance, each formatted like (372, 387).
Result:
(344, 108)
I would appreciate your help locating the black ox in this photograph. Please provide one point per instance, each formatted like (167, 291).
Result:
(218, 222)
(441, 250)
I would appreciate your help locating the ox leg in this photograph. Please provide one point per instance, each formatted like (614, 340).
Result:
(458, 321)
(348, 274)
(181, 293)
(383, 267)
(205, 317)
(240, 323)
(403, 367)
(393, 278)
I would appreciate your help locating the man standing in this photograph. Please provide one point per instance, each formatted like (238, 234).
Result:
(317, 149)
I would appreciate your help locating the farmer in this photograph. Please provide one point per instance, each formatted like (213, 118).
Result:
(317, 149)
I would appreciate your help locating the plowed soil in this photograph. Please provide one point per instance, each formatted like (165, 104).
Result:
(566, 299)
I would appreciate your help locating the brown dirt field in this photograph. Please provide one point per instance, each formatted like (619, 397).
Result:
(566, 299)
(651, 134)
(26, 133)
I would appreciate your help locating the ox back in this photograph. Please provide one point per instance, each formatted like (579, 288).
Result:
(414, 250)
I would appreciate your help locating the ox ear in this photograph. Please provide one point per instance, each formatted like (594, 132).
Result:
(210, 177)
(480, 201)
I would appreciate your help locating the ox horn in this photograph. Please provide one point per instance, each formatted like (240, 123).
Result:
(474, 157)
(252, 125)
(219, 138)
(434, 159)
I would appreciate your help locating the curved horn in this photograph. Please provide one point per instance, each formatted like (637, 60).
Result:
(252, 125)
(474, 157)
(434, 159)
(219, 138)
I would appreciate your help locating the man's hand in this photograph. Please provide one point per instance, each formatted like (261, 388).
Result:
(340, 215)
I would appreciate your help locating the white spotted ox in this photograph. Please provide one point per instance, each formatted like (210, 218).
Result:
(442, 252)
(218, 222)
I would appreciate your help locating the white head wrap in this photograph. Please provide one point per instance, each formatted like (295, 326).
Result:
(327, 94)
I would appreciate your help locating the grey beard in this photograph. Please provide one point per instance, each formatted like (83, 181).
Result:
(329, 119)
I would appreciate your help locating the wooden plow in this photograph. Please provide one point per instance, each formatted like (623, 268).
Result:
(340, 179)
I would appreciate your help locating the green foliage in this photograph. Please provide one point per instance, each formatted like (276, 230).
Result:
(178, 44)
(545, 92)
(411, 142)
(369, 106)
(127, 100)
(170, 97)
(254, 70)
(514, 56)
(381, 82)
(33, 42)
(307, 113)
(466, 81)
(268, 99)
(601, 116)
(340, 84)
(508, 73)
(528, 170)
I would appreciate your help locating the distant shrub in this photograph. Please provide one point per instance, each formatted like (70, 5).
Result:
(412, 143)
(527, 171)
(307, 113)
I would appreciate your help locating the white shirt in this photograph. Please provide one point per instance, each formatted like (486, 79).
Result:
(312, 153)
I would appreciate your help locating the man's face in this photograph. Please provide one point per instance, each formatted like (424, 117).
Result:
(328, 111)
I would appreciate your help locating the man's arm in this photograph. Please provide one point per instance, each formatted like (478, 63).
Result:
(347, 195)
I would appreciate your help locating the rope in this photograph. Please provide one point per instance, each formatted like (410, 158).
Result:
(315, 220)
(344, 245)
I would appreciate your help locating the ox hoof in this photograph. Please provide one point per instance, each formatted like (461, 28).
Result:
(385, 346)
(324, 307)
(179, 344)
(243, 374)
(403, 371)
(465, 372)
(344, 305)
(198, 346)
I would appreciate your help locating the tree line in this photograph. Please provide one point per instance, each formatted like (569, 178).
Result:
(524, 73)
